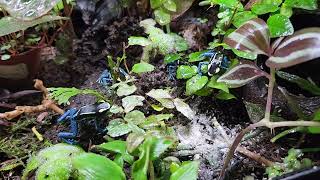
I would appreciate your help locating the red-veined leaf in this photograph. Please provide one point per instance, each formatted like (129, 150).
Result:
(253, 37)
(302, 46)
(241, 75)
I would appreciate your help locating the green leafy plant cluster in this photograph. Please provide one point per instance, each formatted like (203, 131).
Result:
(232, 12)
(283, 53)
(290, 163)
(63, 95)
(199, 83)
(157, 42)
(162, 10)
(63, 161)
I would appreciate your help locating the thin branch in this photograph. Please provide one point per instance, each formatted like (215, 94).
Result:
(270, 93)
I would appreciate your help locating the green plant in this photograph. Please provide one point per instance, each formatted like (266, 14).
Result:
(62, 95)
(13, 35)
(200, 83)
(282, 53)
(62, 161)
(290, 163)
(162, 11)
(232, 14)
(157, 41)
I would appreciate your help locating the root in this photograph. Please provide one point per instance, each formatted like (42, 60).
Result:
(47, 104)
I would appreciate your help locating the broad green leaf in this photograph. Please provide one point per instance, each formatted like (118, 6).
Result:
(92, 166)
(242, 17)
(159, 94)
(229, 3)
(170, 58)
(245, 55)
(188, 171)
(130, 102)
(155, 120)
(286, 10)
(28, 10)
(180, 44)
(240, 75)
(141, 41)
(10, 25)
(125, 90)
(218, 85)
(115, 109)
(140, 167)
(117, 127)
(302, 83)
(157, 107)
(136, 117)
(184, 109)
(265, 6)
(159, 146)
(170, 5)
(195, 84)
(142, 67)
(279, 25)
(156, 3)
(58, 151)
(162, 17)
(167, 103)
(117, 146)
(133, 141)
(302, 46)
(118, 159)
(186, 72)
(53, 153)
(59, 169)
(205, 91)
(196, 56)
(224, 95)
(303, 4)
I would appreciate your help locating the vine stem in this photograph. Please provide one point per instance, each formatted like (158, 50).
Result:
(265, 122)
(270, 93)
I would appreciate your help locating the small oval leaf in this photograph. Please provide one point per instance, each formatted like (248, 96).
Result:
(186, 72)
(142, 67)
(195, 84)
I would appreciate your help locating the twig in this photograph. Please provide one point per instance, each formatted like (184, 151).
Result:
(240, 149)
(47, 103)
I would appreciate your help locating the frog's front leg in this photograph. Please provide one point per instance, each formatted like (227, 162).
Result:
(171, 70)
(105, 78)
(69, 137)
